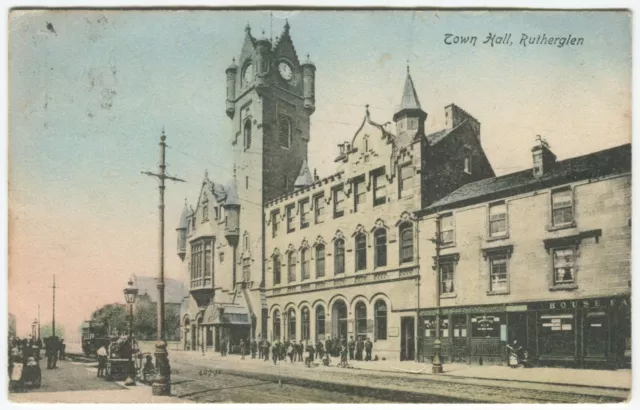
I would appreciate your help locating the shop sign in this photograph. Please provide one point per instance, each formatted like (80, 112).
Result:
(584, 303)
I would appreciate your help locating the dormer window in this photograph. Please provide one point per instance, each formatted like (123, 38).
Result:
(205, 212)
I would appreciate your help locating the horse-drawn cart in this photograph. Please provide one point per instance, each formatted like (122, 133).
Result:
(121, 355)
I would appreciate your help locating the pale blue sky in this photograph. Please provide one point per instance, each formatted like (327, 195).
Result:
(87, 105)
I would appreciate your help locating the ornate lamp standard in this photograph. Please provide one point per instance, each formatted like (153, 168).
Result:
(130, 293)
(436, 364)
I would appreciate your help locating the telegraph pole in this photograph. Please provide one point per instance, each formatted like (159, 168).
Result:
(53, 320)
(162, 382)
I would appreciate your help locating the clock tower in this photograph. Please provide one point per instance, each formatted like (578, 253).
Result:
(270, 98)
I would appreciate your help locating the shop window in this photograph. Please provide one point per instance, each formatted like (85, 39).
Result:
(379, 187)
(290, 218)
(291, 266)
(459, 325)
(338, 256)
(359, 193)
(306, 330)
(556, 335)
(276, 270)
(446, 229)
(444, 328)
(304, 213)
(276, 325)
(488, 326)
(563, 266)
(497, 220)
(406, 243)
(430, 328)
(361, 319)
(406, 181)
(381, 247)
(361, 252)
(318, 206)
(381, 320)
(562, 207)
(306, 264)
(320, 259)
(320, 322)
(338, 202)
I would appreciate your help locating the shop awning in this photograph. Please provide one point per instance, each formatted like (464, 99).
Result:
(225, 314)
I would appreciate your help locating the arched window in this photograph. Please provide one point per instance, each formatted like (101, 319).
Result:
(361, 252)
(406, 243)
(276, 325)
(361, 319)
(291, 266)
(276, 269)
(304, 259)
(381, 247)
(380, 310)
(306, 324)
(319, 261)
(320, 316)
(291, 316)
(338, 256)
(247, 134)
(284, 132)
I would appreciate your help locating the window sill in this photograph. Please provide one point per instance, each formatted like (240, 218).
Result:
(304, 226)
(495, 292)
(552, 228)
(497, 238)
(448, 296)
(566, 286)
(290, 230)
(448, 245)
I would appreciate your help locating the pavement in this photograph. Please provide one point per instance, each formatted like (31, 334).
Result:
(557, 376)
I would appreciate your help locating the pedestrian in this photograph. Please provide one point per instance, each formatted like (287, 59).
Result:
(242, 348)
(343, 356)
(102, 360)
(275, 351)
(253, 347)
(63, 348)
(305, 356)
(300, 350)
(204, 346)
(368, 347)
(359, 348)
(223, 346)
(290, 351)
(265, 350)
(352, 348)
(328, 345)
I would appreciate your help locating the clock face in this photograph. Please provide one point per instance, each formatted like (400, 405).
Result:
(247, 74)
(285, 71)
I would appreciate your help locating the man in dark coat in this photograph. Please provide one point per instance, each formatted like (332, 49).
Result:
(328, 344)
(300, 349)
(359, 348)
(352, 348)
(253, 347)
(368, 347)
(265, 349)
(320, 349)
(63, 348)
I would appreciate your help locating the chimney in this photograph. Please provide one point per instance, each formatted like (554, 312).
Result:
(543, 158)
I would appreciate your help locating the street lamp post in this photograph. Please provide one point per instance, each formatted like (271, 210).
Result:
(130, 293)
(436, 365)
(34, 326)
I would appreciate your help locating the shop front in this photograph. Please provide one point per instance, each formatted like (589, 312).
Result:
(557, 333)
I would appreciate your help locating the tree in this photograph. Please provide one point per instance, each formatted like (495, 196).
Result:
(114, 317)
(144, 319)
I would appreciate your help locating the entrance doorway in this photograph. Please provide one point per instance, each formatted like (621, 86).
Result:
(193, 336)
(407, 338)
(339, 320)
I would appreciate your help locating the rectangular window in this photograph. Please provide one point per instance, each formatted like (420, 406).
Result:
(498, 272)
(379, 187)
(563, 266)
(290, 218)
(339, 257)
(338, 202)
(275, 220)
(406, 181)
(359, 192)
(562, 207)
(446, 229)
(318, 206)
(467, 164)
(246, 264)
(304, 213)
(498, 220)
(205, 213)
(446, 277)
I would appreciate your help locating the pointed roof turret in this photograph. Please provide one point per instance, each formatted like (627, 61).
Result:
(232, 193)
(185, 215)
(304, 176)
(410, 101)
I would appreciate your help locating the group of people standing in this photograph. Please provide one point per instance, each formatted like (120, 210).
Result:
(23, 349)
(304, 350)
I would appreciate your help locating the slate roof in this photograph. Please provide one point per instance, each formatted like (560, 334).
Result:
(598, 164)
(174, 290)
(410, 99)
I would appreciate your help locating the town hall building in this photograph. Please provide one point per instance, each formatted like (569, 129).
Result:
(281, 253)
